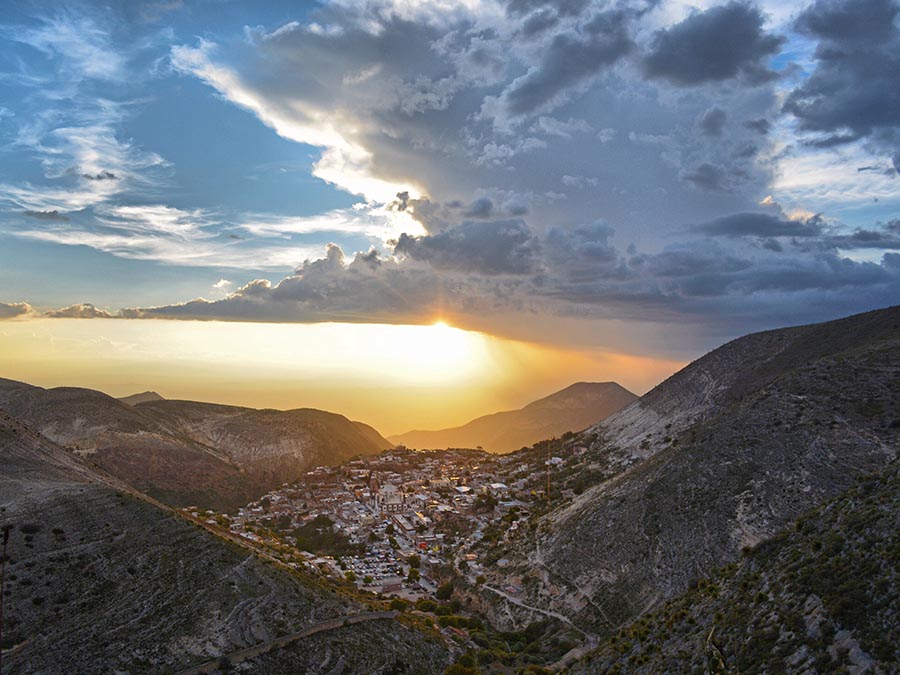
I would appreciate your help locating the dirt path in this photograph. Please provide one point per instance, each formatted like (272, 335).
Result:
(252, 652)
(545, 612)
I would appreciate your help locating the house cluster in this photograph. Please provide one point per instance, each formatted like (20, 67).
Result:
(392, 520)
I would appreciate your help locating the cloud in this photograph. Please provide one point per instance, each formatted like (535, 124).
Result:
(54, 216)
(760, 126)
(79, 311)
(532, 157)
(81, 47)
(495, 247)
(569, 59)
(851, 93)
(759, 225)
(709, 177)
(580, 182)
(12, 310)
(712, 122)
(103, 175)
(717, 44)
(745, 268)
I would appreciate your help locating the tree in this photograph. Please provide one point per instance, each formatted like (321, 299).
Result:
(444, 591)
(414, 561)
(367, 580)
(413, 575)
(350, 575)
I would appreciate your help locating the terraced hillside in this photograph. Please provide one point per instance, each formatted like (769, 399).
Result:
(98, 581)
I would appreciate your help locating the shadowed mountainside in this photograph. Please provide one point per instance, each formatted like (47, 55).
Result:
(720, 456)
(190, 453)
(98, 581)
(571, 409)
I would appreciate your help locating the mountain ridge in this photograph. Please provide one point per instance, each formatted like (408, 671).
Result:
(570, 409)
(718, 457)
(187, 453)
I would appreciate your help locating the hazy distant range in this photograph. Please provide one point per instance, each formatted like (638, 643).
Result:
(572, 409)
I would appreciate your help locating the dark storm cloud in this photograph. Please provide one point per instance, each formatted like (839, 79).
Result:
(714, 45)
(759, 225)
(495, 247)
(850, 21)
(570, 58)
(760, 126)
(539, 22)
(854, 90)
(706, 176)
(103, 175)
(712, 122)
(480, 208)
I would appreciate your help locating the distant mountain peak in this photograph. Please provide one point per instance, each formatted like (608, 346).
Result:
(143, 397)
(574, 408)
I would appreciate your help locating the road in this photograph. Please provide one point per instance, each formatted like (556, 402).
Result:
(265, 647)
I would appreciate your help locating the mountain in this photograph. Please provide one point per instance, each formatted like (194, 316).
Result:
(187, 453)
(719, 457)
(143, 397)
(572, 409)
(99, 580)
(820, 597)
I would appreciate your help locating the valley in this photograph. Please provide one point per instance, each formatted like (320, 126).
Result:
(648, 542)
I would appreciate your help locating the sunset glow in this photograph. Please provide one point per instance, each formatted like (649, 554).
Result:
(398, 377)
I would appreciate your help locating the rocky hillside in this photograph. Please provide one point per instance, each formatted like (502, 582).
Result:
(821, 597)
(574, 408)
(719, 457)
(98, 581)
(269, 444)
(189, 453)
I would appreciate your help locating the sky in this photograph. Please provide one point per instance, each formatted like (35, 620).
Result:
(610, 188)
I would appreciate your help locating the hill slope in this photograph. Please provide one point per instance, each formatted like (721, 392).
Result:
(571, 409)
(98, 581)
(722, 455)
(819, 597)
(189, 453)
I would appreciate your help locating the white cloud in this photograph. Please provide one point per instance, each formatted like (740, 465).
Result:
(344, 161)
(82, 47)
